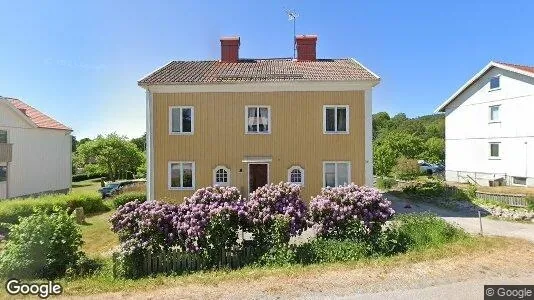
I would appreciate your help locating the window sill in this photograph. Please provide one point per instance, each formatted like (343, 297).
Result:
(181, 133)
(258, 133)
(494, 122)
(181, 189)
(495, 89)
(336, 132)
(494, 158)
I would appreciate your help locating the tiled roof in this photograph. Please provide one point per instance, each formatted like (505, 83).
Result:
(38, 118)
(529, 69)
(258, 70)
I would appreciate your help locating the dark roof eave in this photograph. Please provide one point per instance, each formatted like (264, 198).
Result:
(145, 85)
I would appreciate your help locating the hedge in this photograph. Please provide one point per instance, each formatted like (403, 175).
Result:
(12, 210)
(82, 177)
(124, 198)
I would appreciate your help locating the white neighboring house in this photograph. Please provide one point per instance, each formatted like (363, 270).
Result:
(489, 125)
(35, 151)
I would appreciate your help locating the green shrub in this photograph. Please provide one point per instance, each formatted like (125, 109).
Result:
(465, 194)
(278, 256)
(425, 189)
(425, 230)
(42, 245)
(12, 210)
(385, 183)
(124, 198)
(530, 202)
(82, 177)
(324, 250)
(406, 168)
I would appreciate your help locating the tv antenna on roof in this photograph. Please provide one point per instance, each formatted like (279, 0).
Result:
(293, 15)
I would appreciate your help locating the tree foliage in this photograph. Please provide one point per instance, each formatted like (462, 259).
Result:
(112, 154)
(412, 138)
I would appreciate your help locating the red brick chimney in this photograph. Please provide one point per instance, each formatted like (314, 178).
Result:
(230, 49)
(306, 47)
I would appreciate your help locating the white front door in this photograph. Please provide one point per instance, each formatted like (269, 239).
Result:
(3, 180)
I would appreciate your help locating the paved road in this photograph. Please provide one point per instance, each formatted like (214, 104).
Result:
(471, 289)
(469, 220)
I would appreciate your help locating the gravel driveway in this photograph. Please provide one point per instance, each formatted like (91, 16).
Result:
(468, 220)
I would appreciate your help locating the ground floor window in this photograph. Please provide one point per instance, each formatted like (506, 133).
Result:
(181, 175)
(221, 176)
(494, 150)
(519, 180)
(336, 173)
(295, 175)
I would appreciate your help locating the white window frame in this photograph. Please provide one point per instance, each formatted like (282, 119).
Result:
(517, 184)
(499, 150)
(7, 135)
(217, 168)
(270, 124)
(181, 121)
(499, 113)
(181, 176)
(347, 108)
(349, 178)
(301, 183)
(497, 88)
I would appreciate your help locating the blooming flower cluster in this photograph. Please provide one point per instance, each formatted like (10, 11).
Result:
(271, 201)
(153, 225)
(335, 207)
(196, 213)
(145, 226)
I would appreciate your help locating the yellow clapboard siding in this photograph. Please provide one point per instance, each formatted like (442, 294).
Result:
(219, 137)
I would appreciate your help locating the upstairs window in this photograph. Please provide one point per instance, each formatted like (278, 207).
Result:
(258, 119)
(495, 82)
(494, 150)
(494, 113)
(336, 119)
(3, 136)
(181, 120)
(295, 175)
(221, 176)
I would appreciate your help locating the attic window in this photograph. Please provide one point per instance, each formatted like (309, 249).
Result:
(495, 82)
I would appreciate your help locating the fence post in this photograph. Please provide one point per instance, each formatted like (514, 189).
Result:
(480, 221)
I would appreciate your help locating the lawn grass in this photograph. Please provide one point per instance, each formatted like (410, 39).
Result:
(98, 238)
(91, 185)
(104, 281)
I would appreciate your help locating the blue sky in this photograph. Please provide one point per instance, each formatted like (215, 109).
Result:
(80, 61)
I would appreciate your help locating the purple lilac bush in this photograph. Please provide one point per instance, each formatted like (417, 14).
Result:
(154, 226)
(149, 226)
(281, 200)
(198, 212)
(334, 208)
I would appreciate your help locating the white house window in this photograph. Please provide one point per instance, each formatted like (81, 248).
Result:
(181, 119)
(336, 119)
(520, 180)
(494, 113)
(258, 119)
(494, 150)
(181, 175)
(3, 136)
(495, 82)
(221, 176)
(295, 175)
(336, 173)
